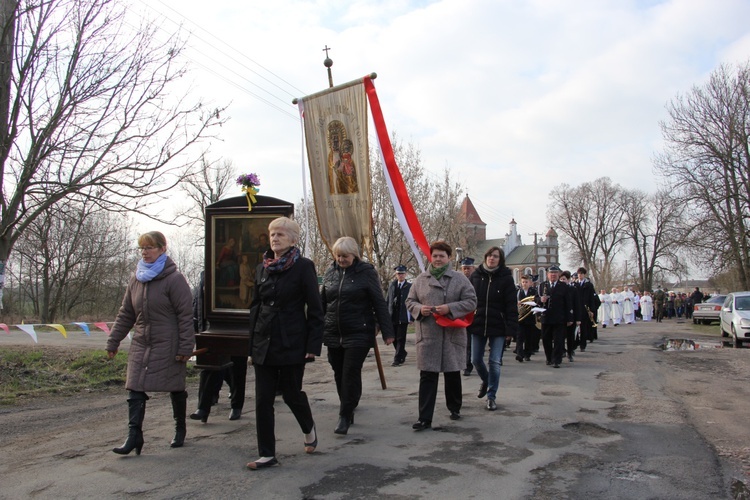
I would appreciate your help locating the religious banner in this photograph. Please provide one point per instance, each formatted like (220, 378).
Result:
(335, 124)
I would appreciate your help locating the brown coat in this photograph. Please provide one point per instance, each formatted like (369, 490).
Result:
(441, 349)
(161, 313)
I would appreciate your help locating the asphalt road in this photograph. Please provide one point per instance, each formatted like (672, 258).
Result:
(625, 420)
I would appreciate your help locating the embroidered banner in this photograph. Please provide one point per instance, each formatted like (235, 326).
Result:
(335, 123)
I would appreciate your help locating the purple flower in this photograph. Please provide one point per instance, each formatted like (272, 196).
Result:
(248, 180)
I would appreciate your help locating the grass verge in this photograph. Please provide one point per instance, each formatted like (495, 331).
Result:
(38, 371)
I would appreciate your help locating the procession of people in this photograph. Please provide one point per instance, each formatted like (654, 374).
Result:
(463, 321)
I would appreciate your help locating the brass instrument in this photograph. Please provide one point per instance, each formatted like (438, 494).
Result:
(591, 316)
(525, 306)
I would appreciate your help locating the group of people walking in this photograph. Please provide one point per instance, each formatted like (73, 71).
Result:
(291, 317)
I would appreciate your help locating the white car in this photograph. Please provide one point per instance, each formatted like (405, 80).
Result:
(735, 317)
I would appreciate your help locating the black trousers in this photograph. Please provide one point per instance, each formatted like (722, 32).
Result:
(287, 379)
(400, 342)
(428, 386)
(211, 381)
(527, 333)
(570, 339)
(347, 372)
(553, 341)
(469, 364)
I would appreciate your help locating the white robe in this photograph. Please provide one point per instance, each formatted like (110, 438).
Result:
(605, 309)
(628, 310)
(647, 304)
(617, 299)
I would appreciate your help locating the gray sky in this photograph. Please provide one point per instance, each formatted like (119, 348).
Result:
(513, 96)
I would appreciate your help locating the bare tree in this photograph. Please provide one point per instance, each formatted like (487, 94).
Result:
(592, 218)
(75, 261)
(436, 201)
(706, 162)
(311, 242)
(90, 111)
(654, 227)
(206, 183)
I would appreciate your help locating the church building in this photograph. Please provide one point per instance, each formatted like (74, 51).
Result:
(521, 259)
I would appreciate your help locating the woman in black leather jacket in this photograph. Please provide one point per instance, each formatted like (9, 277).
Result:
(352, 300)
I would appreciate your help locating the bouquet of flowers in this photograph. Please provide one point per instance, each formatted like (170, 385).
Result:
(249, 183)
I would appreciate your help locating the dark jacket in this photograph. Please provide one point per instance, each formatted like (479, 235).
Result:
(352, 300)
(396, 300)
(529, 320)
(161, 314)
(497, 307)
(559, 304)
(286, 315)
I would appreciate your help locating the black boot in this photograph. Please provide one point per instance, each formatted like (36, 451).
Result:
(342, 427)
(136, 413)
(179, 409)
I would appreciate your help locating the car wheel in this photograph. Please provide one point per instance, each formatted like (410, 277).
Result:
(737, 342)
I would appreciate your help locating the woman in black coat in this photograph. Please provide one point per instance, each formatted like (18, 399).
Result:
(495, 322)
(352, 300)
(286, 329)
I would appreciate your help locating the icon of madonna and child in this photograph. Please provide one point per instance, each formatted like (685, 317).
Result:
(342, 172)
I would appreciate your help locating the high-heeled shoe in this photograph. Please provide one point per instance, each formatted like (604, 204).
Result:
(342, 427)
(310, 447)
(201, 415)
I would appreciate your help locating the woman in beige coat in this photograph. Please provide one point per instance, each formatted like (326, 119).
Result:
(447, 293)
(158, 305)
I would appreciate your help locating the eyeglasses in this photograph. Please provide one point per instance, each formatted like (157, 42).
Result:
(146, 249)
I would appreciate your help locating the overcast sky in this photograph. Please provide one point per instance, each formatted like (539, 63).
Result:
(513, 96)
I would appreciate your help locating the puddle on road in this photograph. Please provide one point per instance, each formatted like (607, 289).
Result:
(688, 345)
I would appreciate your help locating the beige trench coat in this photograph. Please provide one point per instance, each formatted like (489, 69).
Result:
(441, 349)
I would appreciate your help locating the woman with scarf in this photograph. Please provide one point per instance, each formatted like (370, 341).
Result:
(353, 303)
(438, 301)
(286, 330)
(158, 306)
(495, 322)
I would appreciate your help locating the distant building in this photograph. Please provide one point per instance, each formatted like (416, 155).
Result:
(521, 259)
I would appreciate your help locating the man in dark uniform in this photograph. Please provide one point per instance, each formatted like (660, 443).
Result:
(555, 298)
(467, 267)
(527, 329)
(400, 317)
(570, 331)
(588, 299)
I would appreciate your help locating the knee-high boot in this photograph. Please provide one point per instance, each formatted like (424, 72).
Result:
(136, 413)
(179, 409)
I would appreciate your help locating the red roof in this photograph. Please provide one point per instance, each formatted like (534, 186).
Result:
(468, 214)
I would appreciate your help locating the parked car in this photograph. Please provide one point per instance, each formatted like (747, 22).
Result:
(708, 311)
(735, 317)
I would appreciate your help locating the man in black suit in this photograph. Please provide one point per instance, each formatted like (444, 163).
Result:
(400, 317)
(589, 302)
(527, 329)
(555, 298)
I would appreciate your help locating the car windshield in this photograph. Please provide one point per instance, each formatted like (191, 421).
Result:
(716, 299)
(742, 303)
